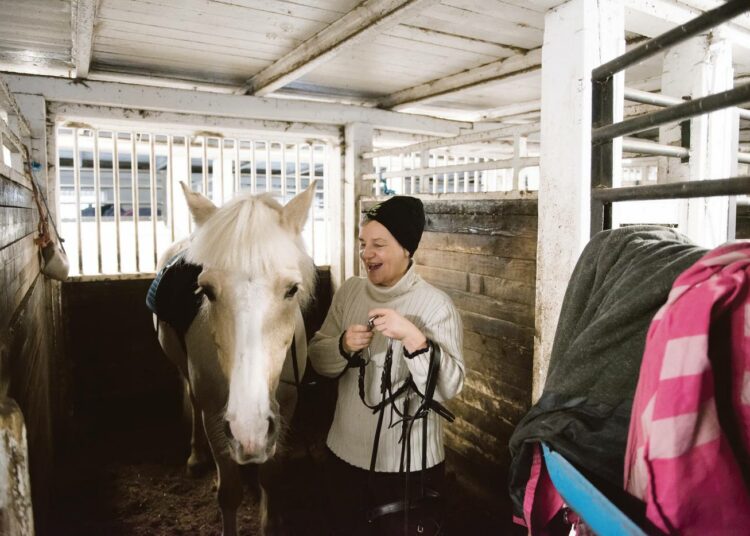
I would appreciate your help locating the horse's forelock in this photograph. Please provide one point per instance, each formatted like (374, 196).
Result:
(246, 236)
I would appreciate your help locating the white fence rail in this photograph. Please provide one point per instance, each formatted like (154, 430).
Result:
(120, 205)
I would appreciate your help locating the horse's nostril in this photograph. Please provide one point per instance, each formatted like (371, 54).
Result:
(271, 426)
(228, 430)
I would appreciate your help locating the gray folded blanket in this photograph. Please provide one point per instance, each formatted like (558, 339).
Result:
(621, 279)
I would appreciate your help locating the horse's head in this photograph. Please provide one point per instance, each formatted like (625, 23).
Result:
(255, 275)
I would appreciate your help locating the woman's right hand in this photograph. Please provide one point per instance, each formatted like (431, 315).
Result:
(356, 337)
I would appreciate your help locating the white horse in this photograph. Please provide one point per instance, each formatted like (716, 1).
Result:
(255, 278)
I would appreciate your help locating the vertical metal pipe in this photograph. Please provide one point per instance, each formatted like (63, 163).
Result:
(170, 184)
(77, 187)
(315, 195)
(204, 166)
(152, 187)
(602, 154)
(237, 167)
(269, 168)
(116, 186)
(97, 202)
(221, 171)
(403, 173)
(189, 162)
(135, 188)
(297, 170)
(282, 170)
(466, 176)
(253, 169)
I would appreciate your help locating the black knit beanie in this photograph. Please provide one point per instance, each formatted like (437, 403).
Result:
(403, 216)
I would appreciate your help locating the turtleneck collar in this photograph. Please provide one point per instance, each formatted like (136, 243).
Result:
(386, 294)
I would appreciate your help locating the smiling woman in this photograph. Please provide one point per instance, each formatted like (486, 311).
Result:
(413, 335)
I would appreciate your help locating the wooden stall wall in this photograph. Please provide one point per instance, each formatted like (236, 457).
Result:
(483, 254)
(27, 331)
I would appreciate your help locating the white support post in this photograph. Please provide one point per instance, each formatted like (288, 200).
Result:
(578, 36)
(336, 187)
(696, 68)
(358, 139)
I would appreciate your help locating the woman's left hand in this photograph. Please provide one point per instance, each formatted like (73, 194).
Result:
(393, 325)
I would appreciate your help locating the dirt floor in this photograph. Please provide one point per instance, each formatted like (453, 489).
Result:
(131, 480)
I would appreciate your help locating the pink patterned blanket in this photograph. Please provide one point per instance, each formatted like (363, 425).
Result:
(689, 440)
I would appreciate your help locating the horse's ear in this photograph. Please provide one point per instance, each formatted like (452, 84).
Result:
(295, 211)
(200, 206)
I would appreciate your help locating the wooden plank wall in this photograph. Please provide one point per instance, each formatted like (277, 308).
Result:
(482, 253)
(27, 331)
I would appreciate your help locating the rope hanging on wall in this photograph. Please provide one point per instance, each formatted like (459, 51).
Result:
(55, 261)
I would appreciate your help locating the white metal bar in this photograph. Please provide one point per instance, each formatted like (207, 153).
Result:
(743, 158)
(657, 99)
(297, 171)
(634, 145)
(116, 185)
(135, 195)
(170, 185)
(269, 185)
(77, 186)
(254, 169)
(189, 179)
(315, 195)
(463, 139)
(403, 177)
(282, 170)
(221, 171)
(204, 166)
(237, 167)
(327, 200)
(152, 186)
(97, 202)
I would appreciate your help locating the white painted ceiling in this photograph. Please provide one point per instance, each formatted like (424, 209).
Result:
(218, 45)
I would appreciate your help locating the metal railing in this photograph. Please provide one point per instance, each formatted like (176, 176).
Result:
(436, 167)
(118, 203)
(605, 130)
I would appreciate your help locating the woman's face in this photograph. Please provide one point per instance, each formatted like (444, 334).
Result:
(384, 258)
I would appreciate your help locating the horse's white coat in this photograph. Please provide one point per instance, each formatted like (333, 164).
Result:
(256, 277)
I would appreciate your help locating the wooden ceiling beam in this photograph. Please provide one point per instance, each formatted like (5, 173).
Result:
(357, 26)
(151, 98)
(82, 17)
(484, 74)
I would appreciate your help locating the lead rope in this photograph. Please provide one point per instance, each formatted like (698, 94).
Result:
(44, 237)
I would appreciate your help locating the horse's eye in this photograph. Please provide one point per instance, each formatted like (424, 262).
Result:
(208, 291)
(291, 291)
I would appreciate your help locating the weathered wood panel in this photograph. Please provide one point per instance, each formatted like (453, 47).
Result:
(482, 253)
(28, 333)
(28, 374)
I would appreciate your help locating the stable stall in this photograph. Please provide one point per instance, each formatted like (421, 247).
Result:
(511, 121)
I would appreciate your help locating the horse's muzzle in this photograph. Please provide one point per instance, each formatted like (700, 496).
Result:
(254, 451)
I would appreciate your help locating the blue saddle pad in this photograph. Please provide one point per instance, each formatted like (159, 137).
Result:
(172, 295)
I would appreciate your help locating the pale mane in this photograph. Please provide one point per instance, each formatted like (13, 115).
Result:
(245, 236)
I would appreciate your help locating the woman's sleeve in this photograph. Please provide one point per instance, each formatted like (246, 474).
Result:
(323, 349)
(445, 330)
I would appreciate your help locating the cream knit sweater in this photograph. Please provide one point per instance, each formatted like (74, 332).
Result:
(353, 429)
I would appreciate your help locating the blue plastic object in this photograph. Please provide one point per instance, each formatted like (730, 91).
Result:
(581, 496)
